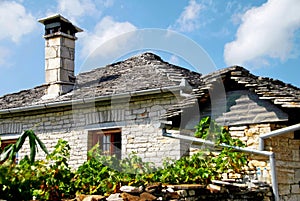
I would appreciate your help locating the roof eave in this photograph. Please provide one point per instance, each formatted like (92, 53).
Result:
(49, 105)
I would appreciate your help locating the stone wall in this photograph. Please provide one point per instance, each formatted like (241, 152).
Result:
(192, 192)
(287, 151)
(138, 119)
(287, 154)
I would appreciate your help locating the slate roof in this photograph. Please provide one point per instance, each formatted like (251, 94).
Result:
(141, 72)
(148, 71)
(238, 78)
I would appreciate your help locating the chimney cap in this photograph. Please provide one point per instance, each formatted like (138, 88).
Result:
(59, 17)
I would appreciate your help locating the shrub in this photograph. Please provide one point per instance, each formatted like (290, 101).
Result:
(53, 179)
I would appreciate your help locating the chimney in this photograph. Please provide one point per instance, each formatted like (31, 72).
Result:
(59, 54)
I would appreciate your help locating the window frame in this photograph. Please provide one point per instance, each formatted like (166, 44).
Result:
(7, 139)
(114, 142)
(5, 143)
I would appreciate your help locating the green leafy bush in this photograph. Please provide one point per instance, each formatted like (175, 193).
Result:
(105, 174)
(45, 179)
(53, 179)
(228, 159)
(55, 175)
(17, 181)
(188, 170)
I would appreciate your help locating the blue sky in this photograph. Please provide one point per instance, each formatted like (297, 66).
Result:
(261, 35)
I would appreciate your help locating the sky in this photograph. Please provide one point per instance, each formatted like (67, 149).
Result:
(260, 35)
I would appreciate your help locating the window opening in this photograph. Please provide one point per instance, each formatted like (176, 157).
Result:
(109, 141)
(5, 143)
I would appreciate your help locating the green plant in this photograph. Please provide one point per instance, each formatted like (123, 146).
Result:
(103, 174)
(17, 181)
(228, 159)
(192, 169)
(55, 175)
(48, 179)
(137, 171)
(205, 165)
(208, 129)
(53, 179)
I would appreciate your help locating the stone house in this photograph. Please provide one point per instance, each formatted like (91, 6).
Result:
(121, 106)
(262, 112)
(118, 105)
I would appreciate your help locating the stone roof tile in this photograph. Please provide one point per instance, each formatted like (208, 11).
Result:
(141, 72)
(235, 78)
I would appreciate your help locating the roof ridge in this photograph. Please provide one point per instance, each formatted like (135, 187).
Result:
(226, 70)
(146, 55)
(172, 71)
(246, 72)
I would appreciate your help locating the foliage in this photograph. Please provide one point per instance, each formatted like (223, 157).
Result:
(208, 129)
(90, 177)
(46, 179)
(53, 179)
(228, 159)
(105, 174)
(17, 180)
(55, 176)
(187, 170)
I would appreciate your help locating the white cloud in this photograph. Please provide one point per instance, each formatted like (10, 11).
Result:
(104, 30)
(265, 32)
(189, 19)
(15, 22)
(75, 8)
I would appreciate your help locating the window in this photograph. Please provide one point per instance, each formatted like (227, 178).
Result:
(5, 143)
(109, 141)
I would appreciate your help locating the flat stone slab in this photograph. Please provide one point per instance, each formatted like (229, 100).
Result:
(186, 186)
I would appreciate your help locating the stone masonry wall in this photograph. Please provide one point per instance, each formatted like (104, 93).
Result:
(138, 119)
(287, 151)
(149, 144)
(287, 154)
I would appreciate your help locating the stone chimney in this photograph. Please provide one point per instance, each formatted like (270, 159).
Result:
(59, 54)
